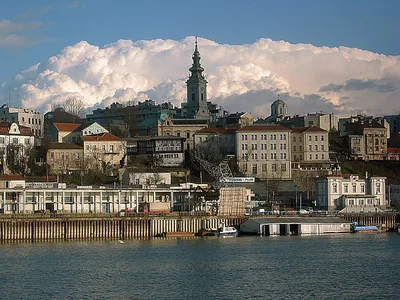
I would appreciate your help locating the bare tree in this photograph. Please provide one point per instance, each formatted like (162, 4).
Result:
(75, 106)
(20, 158)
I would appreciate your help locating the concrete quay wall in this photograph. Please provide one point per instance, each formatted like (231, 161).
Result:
(70, 229)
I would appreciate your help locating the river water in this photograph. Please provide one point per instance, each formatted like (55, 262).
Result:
(348, 266)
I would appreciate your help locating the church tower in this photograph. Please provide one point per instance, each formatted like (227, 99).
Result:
(196, 87)
(278, 110)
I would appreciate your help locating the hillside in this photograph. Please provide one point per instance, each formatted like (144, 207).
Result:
(389, 169)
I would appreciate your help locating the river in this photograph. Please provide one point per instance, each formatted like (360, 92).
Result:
(340, 266)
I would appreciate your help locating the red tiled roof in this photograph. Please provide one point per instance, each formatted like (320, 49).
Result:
(264, 128)
(393, 150)
(11, 177)
(66, 126)
(211, 130)
(104, 137)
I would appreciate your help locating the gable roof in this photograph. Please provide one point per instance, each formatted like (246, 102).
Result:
(52, 145)
(11, 177)
(307, 129)
(105, 137)
(66, 126)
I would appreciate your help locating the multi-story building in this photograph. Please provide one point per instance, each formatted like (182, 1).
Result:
(73, 133)
(351, 193)
(309, 144)
(394, 123)
(158, 151)
(325, 121)
(24, 117)
(104, 149)
(63, 158)
(183, 128)
(13, 134)
(236, 120)
(263, 151)
(365, 137)
(215, 140)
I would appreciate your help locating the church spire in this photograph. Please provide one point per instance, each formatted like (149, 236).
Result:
(196, 69)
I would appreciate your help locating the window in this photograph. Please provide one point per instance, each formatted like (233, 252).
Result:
(104, 148)
(309, 147)
(254, 169)
(316, 156)
(1, 140)
(52, 155)
(273, 167)
(322, 138)
(193, 96)
(322, 147)
(294, 139)
(202, 96)
(316, 138)
(334, 187)
(316, 147)
(354, 187)
(322, 156)
(187, 135)
(309, 138)
(111, 148)
(27, 141)
(362, 188)
(179, 134)
(378, 188)
(283, 167)
(264, 167)
(346, 188)
(294, 148)
(15, 140)
(301, 148)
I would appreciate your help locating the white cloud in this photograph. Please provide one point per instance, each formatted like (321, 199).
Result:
(11, 33)
(241, 77)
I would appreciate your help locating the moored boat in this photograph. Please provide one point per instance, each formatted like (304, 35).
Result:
(395, 228)
(355, 227)
(221, 231)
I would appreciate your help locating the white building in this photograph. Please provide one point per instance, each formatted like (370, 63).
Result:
(351, 194)
(263, 151)
(393, 195)
(24, 117)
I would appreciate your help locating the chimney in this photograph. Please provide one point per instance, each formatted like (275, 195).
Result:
(366, 175)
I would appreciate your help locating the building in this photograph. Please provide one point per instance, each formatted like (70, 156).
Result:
(72, 132)
(393, 195)
(59, 115)
(215, 140)
(14, 137)
(263, 151)
(104, 149)
(394, 123)
(185, 128)
(196, 87)
(348, 126)
(351, 193)
(278, 111)
(25, 117)
(294, 226)
(64, 158)
(325, 121)
(156, 151)
(309, 144)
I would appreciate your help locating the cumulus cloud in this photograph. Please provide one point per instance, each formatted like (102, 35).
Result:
(241, 77)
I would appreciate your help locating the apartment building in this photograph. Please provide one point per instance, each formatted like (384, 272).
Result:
(309, 144)
(263, 151)
(25, 117)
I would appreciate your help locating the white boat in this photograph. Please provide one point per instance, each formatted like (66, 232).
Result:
(221, 231)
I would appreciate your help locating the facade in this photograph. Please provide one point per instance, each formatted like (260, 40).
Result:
(73, 133)
(351, 194)
(164, 151)
(105, 149)
(393, 195)
(63, 158)
(215, 140)
(328, 122)
(136, 177)
(236, 120)
(394, 123)
(309, 144)
(354, 124)
(25, 117)
(185, 128)
(12, 134)
(196, 86)
(264, 151)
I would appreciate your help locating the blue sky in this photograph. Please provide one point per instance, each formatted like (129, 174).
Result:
(365, 24)
(32, 31)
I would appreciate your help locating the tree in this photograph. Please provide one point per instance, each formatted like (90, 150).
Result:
(20, 159)
(75, 106)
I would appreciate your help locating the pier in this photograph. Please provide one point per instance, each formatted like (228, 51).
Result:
(29, 229)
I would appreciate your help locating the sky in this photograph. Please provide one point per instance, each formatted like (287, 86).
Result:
(332, 56)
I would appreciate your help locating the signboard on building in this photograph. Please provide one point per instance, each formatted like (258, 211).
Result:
(238, 179)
